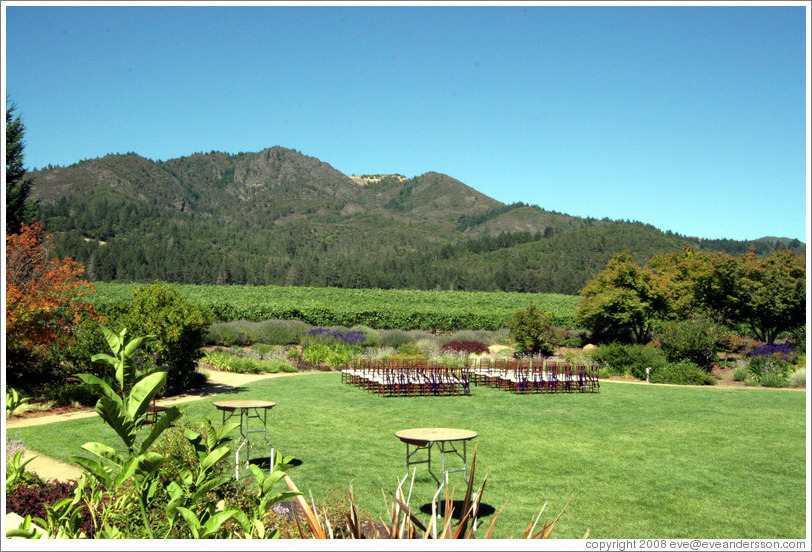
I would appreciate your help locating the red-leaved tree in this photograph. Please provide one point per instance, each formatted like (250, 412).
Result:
(43, 293)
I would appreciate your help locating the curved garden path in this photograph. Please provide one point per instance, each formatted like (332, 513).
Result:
(50, 468)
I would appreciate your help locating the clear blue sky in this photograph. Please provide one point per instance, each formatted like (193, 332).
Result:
(692, 119)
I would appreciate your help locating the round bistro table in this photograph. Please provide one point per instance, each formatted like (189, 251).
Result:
(246, 410)
(443, 438)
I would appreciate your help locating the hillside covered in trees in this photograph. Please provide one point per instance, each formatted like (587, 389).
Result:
(281, 217)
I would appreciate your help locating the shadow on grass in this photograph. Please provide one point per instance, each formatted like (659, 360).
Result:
(264, 462)
(210, 389)
(456, 509)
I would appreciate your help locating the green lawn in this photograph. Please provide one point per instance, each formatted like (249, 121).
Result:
(640, 460)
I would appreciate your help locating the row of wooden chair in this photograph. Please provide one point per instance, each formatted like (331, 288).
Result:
(407, 379)
(535, 376)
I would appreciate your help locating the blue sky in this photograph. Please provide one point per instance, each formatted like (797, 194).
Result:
(692, 119)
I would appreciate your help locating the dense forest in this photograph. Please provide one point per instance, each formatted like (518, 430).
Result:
(280, 217)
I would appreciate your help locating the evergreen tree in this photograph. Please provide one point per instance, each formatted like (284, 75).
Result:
(19, 208)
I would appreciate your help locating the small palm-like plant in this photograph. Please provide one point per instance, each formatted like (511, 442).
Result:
(14, 401)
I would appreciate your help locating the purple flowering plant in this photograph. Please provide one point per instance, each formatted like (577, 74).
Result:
(784, 349)
(337, 336)
(771, 363)
(333, 347)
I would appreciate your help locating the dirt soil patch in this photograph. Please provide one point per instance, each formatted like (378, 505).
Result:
(40, 411)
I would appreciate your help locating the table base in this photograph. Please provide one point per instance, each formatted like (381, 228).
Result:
(245, 414)
(445, 447)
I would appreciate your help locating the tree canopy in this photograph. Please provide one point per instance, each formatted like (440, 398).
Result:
(767, 295)
(43, 293)
(770, 293)
(622, 301)
(19, 208)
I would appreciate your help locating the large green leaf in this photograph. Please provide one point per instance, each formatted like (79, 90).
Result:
(126, 472)
(266, 482)
(148, 463)
(135, 344)
(95, 468)
(113, 340)
(171, 507)
(139, 467)
(213, 457)
(104, 357)
(26, 530)
(192, 521)
(100, 386)
(240, 517)
(142, 393)
(215, 521)
(105, 451)
(207, 486)
(113, 413)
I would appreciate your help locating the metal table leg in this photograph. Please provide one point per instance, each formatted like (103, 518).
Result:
(245, 414)
(445, 447)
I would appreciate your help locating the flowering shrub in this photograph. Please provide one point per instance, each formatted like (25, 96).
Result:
(470, 347)
(348, 338)
(774, 375)
(785, 350)
(13, 446)
(620, 359)
(533, 331)
(378, 353)
(179, 326)
(769, 371)
(320, 354)
(742, 371)
(331, 346)
(695, 340)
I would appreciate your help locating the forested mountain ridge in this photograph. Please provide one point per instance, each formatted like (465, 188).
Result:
(280, 217)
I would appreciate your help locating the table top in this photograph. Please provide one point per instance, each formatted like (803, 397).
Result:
(234, 405)
(421, 436)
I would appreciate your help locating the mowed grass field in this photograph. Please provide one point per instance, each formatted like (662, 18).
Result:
(638, 460)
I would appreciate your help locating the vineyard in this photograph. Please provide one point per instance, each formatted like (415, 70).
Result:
(376, 308)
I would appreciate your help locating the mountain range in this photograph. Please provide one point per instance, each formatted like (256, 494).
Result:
(281, 217)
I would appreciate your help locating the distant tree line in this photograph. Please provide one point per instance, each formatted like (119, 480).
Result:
(118, 240)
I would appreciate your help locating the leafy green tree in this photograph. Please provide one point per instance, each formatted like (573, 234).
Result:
(179, 326)
(770, 293)
(683, 279)
(621, 302)
(534, 331)
(19, 208)
(765, 294)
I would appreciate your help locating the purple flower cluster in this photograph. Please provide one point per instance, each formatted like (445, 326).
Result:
(13, 446)
(350, 338)
(769, 350)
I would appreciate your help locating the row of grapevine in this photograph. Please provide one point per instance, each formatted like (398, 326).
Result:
(376, 308)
